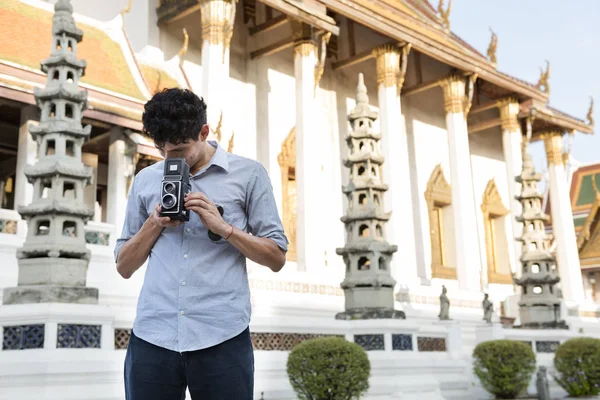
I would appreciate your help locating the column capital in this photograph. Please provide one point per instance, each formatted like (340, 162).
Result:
(509, 110)
(391, 64)
(458, 93)
(218, 17)
(304, 37)
(553, 144)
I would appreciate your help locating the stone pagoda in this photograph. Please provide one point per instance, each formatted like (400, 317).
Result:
(54, 259)
(539, 306)
(368, 286)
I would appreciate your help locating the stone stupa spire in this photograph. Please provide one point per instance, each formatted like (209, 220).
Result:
(54, 259)
(368, 286)
(539, 306)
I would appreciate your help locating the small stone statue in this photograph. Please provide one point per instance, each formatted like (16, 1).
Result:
(444, 305)
(488, 309)
(541, 383)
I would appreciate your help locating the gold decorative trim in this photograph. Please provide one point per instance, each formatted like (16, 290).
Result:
(305, 49)
(230, 144)
(184, 48)
(553, 144)
(320, 67)
(458, 93)
(445, 14)
(491, 51)
(509, 110)
(126, 9)
(543, 83)
(493, 209)
(287, 164)
(391, 63)
(218, 18)
(437, 196)
(387, 59)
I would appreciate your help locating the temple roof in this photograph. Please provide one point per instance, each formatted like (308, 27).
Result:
(28, 38)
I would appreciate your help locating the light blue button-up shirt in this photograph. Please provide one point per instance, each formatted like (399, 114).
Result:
(195, 292)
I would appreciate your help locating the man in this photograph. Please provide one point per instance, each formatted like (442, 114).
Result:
(191, 328)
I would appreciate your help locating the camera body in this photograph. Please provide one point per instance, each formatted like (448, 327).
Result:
(174, 186)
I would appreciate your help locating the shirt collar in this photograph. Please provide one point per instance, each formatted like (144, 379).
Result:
(220, 156)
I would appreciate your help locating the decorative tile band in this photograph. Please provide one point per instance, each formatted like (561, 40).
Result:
(271, 341)
(122, 338)
(23, 337)
(78, 336)
(296, 287)
(8, 226)
(370, 342)
(420, 299)
(431, 343)
(99, 238)
(402, 342)
(546, 346)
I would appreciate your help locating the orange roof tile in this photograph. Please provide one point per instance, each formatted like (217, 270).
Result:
(26, 40)
(157, 79)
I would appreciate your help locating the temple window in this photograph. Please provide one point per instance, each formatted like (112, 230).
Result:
(496, 239)
(287, 164)
(439, 206)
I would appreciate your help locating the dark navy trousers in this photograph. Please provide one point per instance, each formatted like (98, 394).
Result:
(222, 372)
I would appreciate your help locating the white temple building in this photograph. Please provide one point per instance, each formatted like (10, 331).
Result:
(280, 78)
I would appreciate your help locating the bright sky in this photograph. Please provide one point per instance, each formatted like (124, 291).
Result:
(566, 33)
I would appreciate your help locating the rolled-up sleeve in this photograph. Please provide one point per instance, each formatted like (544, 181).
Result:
(263, 217)
(135, 216)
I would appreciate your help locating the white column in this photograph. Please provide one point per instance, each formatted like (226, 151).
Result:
(117, 180)
(396, 166)
(26, 154)
(217, 28)
(310, 250)
(468, 262)
(563, 227)
(513, 158)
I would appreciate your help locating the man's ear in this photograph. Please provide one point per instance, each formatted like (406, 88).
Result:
(204, 132)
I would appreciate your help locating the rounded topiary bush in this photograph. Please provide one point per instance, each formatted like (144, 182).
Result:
(328, 369)
(577, 363)
(504, 367)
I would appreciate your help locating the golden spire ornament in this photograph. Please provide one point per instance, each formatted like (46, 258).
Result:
(543, 81)
(445, 14)
(491, 51)
(590, 114)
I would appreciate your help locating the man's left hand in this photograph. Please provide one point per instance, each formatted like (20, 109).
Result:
(208, 213)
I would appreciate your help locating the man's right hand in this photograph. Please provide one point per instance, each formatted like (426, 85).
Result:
(163, 222)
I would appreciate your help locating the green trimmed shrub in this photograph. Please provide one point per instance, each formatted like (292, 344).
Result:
(577, 362)
(504, 367)
(328, 368)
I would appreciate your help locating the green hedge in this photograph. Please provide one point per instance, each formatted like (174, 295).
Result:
(328, 369)
(577, 362)
(504, 367)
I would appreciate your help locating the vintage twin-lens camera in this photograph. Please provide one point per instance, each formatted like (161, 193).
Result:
(175, 185)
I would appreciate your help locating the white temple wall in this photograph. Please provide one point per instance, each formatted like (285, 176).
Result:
(487, 162)
(428, 146)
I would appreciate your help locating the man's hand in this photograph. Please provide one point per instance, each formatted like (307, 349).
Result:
(163, 222)
(208, 213)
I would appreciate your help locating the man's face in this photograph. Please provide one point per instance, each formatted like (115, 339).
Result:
(191, 151)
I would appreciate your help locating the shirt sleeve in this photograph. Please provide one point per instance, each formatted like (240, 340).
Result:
(263, 216)
(135, 216)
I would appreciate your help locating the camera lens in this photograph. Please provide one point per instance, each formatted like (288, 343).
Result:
(169, 187)
(168, 201)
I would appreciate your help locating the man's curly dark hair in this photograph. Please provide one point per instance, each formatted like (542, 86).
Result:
(174, 116)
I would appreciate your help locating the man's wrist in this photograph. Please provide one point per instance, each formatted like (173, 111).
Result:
(225, 230)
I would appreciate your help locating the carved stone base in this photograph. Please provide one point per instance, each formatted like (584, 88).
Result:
(53, 271)
(50, 294)
(543, 325)
(371, 313)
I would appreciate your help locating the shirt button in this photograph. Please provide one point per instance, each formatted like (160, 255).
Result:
(188, 230)
(181, 312)
(185, 256)
(183, 283)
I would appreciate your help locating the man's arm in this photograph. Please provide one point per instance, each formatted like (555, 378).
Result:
(266, 244)
(139, 234)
